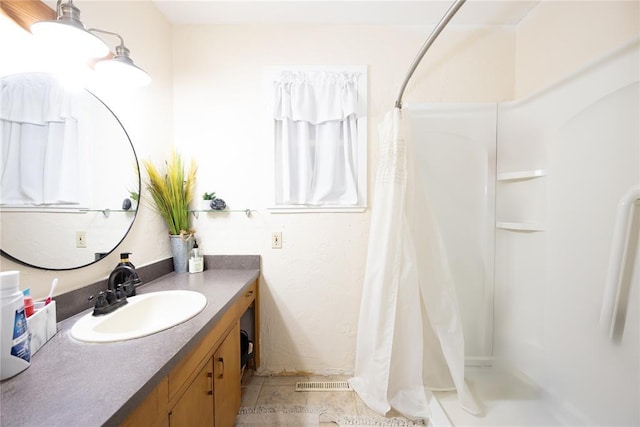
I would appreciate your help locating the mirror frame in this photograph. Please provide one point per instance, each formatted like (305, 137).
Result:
(5, 254)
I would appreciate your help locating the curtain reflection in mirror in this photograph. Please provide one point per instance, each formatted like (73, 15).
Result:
(41, 150)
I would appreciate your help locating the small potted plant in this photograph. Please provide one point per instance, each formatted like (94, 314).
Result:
(207, 198)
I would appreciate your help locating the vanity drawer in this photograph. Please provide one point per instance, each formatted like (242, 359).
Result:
(247, 298)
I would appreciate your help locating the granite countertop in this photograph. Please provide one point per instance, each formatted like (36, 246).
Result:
(71, 383)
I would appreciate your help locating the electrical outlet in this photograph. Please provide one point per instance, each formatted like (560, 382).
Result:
(276, 240)
(81, 239)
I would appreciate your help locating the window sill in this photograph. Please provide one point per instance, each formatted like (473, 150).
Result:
(287, 209)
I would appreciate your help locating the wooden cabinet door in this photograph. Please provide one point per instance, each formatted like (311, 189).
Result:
(195, 407)
(152, 412)
(226, 379)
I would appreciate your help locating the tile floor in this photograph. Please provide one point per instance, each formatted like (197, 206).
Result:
(280, 390)
(507, 400)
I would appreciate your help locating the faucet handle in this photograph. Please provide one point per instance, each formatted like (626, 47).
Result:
(120, 293)
(101, 302)
(129, 288)
(111, 296)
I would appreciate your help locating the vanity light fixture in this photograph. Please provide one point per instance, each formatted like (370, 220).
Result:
(68, 32)
(121, 66)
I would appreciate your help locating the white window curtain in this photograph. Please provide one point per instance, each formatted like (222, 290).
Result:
(316, 136)
(40, 147)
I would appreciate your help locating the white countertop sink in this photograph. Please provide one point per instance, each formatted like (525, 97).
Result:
(143, 315)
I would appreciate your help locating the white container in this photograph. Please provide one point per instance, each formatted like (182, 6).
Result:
(196, 264)
(15, 340)
(42, 325)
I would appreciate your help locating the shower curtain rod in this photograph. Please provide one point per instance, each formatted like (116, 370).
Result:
(432, 37)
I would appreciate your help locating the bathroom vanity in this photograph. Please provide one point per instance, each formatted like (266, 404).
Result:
(183, 376)
(204, 387)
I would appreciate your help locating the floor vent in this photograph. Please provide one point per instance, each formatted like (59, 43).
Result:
(323, 386)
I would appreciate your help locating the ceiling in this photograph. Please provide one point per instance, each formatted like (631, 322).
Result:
(389, 12)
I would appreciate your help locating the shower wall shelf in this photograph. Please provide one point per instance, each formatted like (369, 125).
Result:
(519, 226)
(520, 175)
(521, 200)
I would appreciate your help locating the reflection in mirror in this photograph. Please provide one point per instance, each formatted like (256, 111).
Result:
(66, 167)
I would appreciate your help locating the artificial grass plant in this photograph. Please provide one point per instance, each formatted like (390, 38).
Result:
(172, 191)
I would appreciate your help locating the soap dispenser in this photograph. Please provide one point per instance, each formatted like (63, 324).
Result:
(196, 263)
(124, 260)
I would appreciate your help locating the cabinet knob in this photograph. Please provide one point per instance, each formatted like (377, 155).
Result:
(210, 376)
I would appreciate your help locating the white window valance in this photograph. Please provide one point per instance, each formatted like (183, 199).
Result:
(34, 98)
(316, 97)
(39, 140)
(316, 117)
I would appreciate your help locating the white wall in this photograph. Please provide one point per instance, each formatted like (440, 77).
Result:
(311, 288)
(146, 114)
(550, 284)
(558, 37)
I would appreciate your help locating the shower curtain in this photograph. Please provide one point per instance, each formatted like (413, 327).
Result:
(410, 337)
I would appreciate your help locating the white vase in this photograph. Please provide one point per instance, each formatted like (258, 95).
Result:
(180, 249)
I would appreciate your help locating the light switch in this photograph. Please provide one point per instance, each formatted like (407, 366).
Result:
(81, 239)
(276, 240)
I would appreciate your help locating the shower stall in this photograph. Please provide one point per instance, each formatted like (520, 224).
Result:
(527, 195)
(455, 148)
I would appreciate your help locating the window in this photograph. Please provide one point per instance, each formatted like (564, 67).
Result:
(319, 120)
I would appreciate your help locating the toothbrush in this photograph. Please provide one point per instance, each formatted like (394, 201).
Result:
(54, 283)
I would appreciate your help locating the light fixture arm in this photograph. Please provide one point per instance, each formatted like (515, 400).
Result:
(122, 59)
(58, 11)
(121, 49)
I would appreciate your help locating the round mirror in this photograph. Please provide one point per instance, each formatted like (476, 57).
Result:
(69, 175)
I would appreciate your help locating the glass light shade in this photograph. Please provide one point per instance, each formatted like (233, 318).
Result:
(70, 37)
(122, 69)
